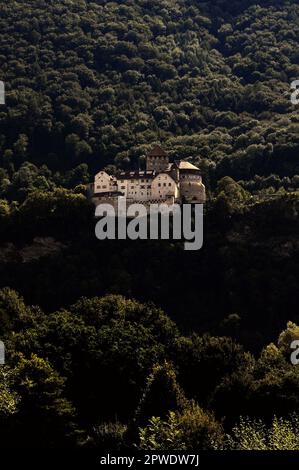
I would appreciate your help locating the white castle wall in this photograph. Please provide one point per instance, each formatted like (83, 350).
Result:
(163, 186)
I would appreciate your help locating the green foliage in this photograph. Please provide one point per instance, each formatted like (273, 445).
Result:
(199, 357)
(190, 429)
(14, 314)
(286, 337)
(105, 436)
(8, 399)
(229, 195)
(70, 373)
(36, 412)
(40, 386)
(162, 394)
(94, 85)
(100, 82)
(255, 435)
(271, 383)
(87, 342)
(162, 435)
(200, 428)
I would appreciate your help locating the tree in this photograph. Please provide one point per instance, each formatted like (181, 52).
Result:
(192, 429)
(161, 395)
(14, 314)
(286, 337)
(45, 418)
(162, 435)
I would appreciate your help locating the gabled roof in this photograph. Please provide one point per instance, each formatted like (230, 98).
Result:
(157, 151)
(112, 177)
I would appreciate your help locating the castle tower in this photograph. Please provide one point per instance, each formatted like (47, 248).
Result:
(157, 160)
(191, 187)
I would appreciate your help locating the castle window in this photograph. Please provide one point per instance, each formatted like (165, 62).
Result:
(122, 187)
(159, 184)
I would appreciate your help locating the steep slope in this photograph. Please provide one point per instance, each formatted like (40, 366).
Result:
(99, 82)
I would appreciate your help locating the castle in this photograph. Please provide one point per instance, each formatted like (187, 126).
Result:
(161, 182)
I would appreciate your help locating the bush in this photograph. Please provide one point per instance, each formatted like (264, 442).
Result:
(191, 429)
(248, 434)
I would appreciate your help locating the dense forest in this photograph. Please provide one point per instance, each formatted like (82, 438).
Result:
(98, 83)
(140, 344)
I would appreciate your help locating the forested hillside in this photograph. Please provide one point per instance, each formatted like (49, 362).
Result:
(100, 82)
(140, 344)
